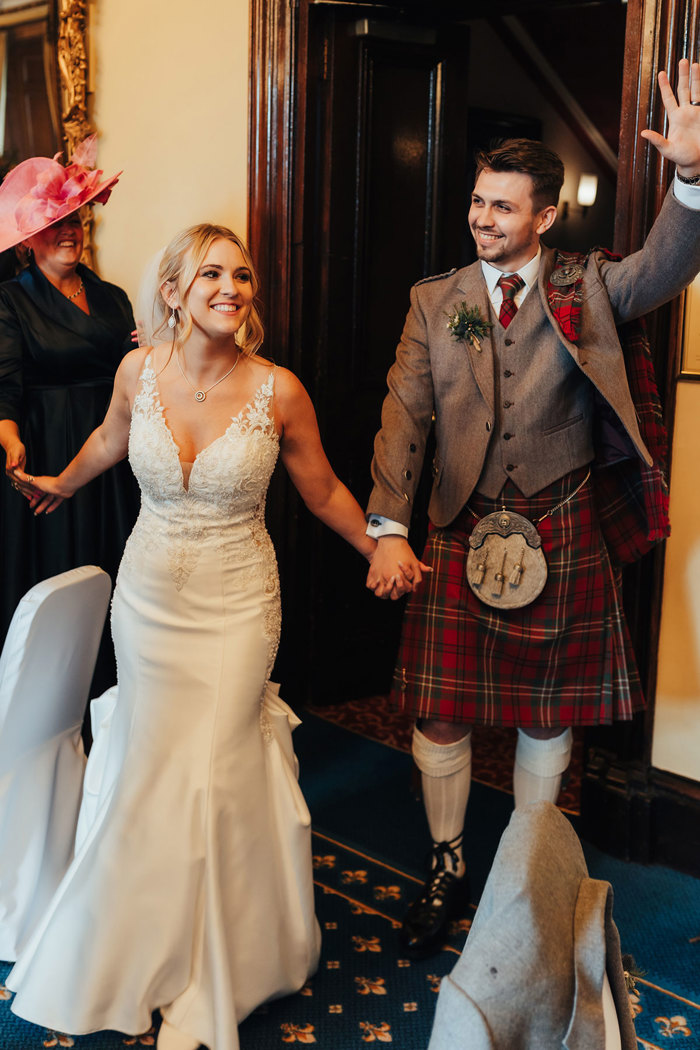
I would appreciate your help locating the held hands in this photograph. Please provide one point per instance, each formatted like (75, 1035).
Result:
(44, 493)
(395, 570)
(682, 145)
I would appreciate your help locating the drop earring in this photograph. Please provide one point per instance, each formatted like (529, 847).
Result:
(172, 320)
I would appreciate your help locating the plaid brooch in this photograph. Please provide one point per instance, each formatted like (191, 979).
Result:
(565, 299)
(632, 498)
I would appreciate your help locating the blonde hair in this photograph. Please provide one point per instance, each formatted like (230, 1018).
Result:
(180, 265)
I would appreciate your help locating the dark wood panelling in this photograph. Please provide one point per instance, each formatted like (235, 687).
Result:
(643, 815)
(622, 800)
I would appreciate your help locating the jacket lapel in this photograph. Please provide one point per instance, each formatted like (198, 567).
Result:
(472, 289)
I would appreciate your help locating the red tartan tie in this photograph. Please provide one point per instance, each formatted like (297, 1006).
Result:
(510, 285)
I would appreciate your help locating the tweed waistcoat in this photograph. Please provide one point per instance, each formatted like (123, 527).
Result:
(543, 407)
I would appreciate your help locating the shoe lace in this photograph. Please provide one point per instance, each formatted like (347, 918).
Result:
(441, 875)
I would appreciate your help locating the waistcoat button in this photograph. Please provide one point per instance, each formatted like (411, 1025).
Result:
(507, 437)
(507, 373)
(509, 342)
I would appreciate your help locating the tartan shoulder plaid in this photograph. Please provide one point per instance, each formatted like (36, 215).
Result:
(632, 498)
(565, 300)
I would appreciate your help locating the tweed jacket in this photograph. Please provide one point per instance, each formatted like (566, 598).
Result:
(434, 374)
(530, 976)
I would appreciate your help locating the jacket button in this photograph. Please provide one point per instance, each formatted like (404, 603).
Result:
(412, 447)
(507, 437)
(407, 474)
(488, 425)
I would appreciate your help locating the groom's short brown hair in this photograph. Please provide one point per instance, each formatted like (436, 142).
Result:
(528, 157)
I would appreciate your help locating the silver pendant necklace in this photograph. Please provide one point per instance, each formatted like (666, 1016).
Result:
(201, 395)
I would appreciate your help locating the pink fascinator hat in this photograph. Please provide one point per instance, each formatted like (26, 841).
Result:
(40, 191)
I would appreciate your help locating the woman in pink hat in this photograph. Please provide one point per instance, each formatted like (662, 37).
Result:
(63, 332)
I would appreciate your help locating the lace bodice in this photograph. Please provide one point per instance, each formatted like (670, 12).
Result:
(227, 484)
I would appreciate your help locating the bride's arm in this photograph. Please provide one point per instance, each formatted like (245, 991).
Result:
(106, 446)
(306, 463)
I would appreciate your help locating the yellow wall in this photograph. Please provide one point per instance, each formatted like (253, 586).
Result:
(676, 745)
(171, 109)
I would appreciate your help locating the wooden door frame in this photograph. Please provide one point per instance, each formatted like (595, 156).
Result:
(619, 780)
(629, 808)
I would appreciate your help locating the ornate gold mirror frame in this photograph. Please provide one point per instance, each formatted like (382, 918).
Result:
(72, 62)
(71, 35)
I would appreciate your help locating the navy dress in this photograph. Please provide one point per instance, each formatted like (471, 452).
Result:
(57, 367)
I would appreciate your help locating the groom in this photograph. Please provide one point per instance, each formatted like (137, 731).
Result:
(517, 358)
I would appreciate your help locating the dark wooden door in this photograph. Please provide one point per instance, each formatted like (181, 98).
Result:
(385, 198)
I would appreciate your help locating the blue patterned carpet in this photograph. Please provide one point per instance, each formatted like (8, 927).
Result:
(368, 846)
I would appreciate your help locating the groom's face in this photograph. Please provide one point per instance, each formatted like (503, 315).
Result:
(504, 222)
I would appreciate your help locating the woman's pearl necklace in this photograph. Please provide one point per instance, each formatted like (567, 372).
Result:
(77, 292)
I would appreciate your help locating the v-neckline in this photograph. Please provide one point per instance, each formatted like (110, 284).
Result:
(176, 448)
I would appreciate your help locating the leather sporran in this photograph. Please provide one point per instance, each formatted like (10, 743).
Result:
(506, 567)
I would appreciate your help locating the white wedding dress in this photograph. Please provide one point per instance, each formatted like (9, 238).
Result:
(191, 889)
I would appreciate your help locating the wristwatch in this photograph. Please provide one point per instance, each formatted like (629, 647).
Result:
(689, 180)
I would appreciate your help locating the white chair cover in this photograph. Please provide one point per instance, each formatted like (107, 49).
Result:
(45, 671)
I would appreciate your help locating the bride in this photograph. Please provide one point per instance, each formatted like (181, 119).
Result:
(191, 887)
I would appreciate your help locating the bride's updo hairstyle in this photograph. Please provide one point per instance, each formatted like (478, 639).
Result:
(180, 265)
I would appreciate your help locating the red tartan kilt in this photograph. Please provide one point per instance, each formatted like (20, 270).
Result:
(566, 659)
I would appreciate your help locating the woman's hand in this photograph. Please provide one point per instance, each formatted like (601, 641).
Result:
(45, 493)
(106, 446)
(16, 457)
(395, 570)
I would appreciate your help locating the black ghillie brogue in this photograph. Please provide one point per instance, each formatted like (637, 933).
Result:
(445, 895)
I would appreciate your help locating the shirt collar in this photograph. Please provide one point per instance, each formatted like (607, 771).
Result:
(528, 272)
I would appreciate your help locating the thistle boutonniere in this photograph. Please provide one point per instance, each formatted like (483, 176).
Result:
(466, 323)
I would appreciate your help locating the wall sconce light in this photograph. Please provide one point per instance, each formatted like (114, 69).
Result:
(585, 196)
(587, 190)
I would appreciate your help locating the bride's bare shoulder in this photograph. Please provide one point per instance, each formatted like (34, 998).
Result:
(132, 364)
(263, 365)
